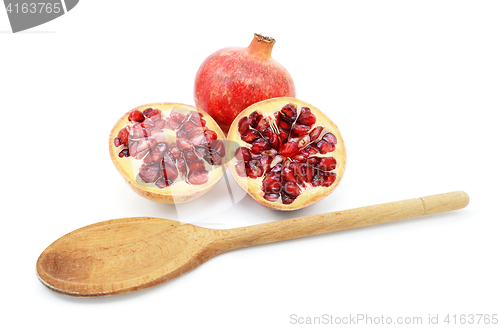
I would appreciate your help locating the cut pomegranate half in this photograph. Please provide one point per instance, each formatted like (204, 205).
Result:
(168, 152)
(288, 154)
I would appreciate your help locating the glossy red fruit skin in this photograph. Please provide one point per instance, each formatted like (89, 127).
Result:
(232, 79)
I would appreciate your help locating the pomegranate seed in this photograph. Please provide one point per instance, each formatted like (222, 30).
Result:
(289, 113)
(254, 119)
(150, 112)
(266, 163)
(201, 151)
(240, 169)
(124, 153)
(299, 130)
(254, 169)
(184, 144)
(136, 116)
(244, 124)
(197, 178)
(160, 124)
(328, 179)
(211, 135)
(327, 164)
(123, 135)
(312, 149)
(271, 197)
(250, 136)
(149, 173)
(170, 172)
(291, 189)
(218, 147)
(177, 117)
(199, 139)
(262, 125)
(316, 132)
(288, 175)
(325, 147)
(181, 165)
(174, 151)
(198, 165)
(169, 159)
(190, 155)
(285, 199)
(330, 138)
(260, 145)
(117, 142)
(161, 183)
(242, 154)
(271, 184)
(289, 149)
(306, 117)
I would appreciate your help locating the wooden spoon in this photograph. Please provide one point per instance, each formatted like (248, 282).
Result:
(124, 255)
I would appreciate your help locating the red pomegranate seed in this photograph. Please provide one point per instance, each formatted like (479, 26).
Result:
(254, 169)
(240, 169)
(124, 153)
(260, 145)
(306, 117)
(288, 175)
(315, 133)
(327, 164)
(177, 117)
(312, 149)
(328, 179)
(181, 165)
(197, 177)
(286, 199)
(254, 119)
(262, 125)
(244, 124)
(211, 136)
(169, 159)
(149, 173)
(184, 144)
(190, 155)
(161, 183)
(250, 136)
(299, 130)
(170, 172)
(150, 112)
(174, 151)
(291, 189)
(242, 154)
(330, 138)
(198, 165)
(160, 124)
(271, 197)
(289, 149)
(136, 116)
(199, 139)
(289, 113)
(117, 142)
(266, 163)
(123, 136)
(271, 184)
(325, 147)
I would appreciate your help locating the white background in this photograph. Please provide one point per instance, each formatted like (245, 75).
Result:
(414, 87)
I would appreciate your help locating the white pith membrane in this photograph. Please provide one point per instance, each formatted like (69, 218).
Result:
(309, 193)
(161, 134)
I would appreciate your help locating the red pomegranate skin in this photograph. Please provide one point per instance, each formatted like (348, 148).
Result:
(232, 79)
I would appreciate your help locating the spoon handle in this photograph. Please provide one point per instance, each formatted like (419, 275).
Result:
(343, 220)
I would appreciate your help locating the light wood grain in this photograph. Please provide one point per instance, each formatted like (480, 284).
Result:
(124, 255)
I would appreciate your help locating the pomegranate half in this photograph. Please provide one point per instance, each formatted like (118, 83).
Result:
(168, 152)
(232, 79)
(287, 153)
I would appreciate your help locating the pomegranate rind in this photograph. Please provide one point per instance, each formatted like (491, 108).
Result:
(180, 191)
(253, 187)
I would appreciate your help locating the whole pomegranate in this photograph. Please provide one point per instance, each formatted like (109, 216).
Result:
(168, 152)
(286, 154)
(232, 79)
